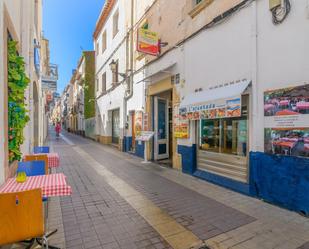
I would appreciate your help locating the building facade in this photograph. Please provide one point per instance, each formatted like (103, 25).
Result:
(21, 21)
(119, 101)
(219, 104)
(232, 108)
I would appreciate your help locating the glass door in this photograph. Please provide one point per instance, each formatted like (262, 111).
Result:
(161, 138)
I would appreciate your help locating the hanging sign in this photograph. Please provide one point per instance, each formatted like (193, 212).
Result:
(147, 42)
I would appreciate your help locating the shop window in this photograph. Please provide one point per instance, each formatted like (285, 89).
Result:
(116, 23)
(198, 6)
(226, 135)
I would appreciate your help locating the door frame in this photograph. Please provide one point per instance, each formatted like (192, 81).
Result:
(161, 141)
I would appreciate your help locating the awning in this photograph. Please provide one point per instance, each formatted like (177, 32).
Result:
(225, 98)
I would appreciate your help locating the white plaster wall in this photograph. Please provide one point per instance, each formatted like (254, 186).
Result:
(109, 102)
(282, 56)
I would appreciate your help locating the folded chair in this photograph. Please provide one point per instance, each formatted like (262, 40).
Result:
(21, 217)
(40, 149)
(44, 158)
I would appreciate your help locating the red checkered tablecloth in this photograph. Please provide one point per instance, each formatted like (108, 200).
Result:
(53, 159)
(51, 185)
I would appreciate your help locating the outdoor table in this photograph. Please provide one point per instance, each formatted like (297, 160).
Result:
(53, 159)
(284, 103)
(51, 185)
(302, 105)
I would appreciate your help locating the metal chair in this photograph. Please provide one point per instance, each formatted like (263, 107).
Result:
(21, 217)
(40, 149)
(32, 168)
(44, 158)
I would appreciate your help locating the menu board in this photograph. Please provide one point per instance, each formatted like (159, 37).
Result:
(286, 114)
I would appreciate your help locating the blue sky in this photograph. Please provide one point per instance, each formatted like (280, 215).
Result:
(69, 25)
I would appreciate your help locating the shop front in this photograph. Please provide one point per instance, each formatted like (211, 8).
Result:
(220, 117)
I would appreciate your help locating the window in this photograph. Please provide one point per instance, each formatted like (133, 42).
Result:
(97, 48)
(115, 73)
(115, 23)
(103, 82)
(104, 40)
(226, 135)
(198, 6)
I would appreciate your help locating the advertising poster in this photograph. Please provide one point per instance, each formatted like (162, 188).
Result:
(181, 124)
(218, 109)
(147, 42)
(138, 123)
(286, 113)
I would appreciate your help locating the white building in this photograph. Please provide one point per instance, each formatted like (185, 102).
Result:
(22, 22)
(118, 95)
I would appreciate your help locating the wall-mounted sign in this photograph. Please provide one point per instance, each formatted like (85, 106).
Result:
(286, 113)
(148, 42)
(221, 108)
(181, 125)
(138, 122)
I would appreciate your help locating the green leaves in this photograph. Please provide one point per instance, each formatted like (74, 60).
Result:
(17, 112)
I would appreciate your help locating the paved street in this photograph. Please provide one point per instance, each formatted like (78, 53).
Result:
(118, 202)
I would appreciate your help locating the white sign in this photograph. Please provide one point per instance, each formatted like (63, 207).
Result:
(290, 121)
(145, 136)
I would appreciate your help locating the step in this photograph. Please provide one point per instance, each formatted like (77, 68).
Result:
(236, 178)
(224, 172)
(240, 167)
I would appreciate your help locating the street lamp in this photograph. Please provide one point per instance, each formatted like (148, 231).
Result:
(114, 68)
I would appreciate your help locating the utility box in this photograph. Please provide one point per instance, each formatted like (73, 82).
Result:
(274, 3)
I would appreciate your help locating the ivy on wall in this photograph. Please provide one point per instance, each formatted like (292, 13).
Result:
(89, 85)
(17, 113)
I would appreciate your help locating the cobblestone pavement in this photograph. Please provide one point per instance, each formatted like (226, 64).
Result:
(102, 214)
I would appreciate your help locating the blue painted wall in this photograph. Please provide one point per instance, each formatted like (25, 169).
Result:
(127, 144)
(188, 158)
(139, 149)
(282, 180)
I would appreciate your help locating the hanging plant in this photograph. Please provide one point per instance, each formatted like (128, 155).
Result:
(17, 112)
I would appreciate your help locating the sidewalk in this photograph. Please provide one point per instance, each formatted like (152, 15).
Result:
(102, 212)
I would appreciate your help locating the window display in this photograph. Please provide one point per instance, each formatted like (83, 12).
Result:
(225, 135)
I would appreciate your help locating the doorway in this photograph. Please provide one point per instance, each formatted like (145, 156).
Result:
(115, 126)
(162, 127)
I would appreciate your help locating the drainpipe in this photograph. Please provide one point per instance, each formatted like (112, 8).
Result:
(129, 69)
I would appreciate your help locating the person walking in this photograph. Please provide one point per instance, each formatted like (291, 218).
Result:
(58, 129)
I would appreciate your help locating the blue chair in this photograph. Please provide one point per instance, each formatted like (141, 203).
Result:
(40, 149)
(32, 168)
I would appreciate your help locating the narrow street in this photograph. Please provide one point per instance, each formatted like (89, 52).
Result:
(117, 202)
